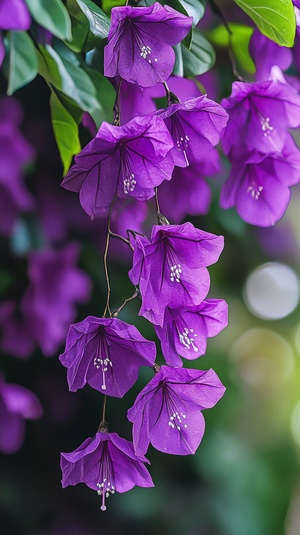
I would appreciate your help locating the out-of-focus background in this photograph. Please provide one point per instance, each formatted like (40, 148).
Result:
(244, 478)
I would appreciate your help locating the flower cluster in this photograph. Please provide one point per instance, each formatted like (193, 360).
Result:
(134, 160)
(265, 159)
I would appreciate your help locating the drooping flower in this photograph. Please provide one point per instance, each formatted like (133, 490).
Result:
(56, 285)
(106, 353)
(259, 116)
(106, 463)
(195, 126)
(140, 41)
(167, 414)
(170, 268)
(188, 192)
(127, 160)
(185, 334)
(16, 405)
(259, 189)
(14, 15)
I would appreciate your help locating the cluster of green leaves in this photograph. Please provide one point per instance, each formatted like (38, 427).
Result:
(73, 65)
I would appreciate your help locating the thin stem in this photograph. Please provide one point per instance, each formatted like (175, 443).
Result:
(118, 310)
(171, 97)
(117, 105)
(161, 219)
(114, 235)
(216, 9)
(102, 426)
(107, 306)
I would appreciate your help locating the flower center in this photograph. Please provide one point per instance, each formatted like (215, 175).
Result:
(129, 184)
(255, 191)
(176, 416)
(101, 360)
(106, 476)
(186, 340)
(265, 125)
(175, 272)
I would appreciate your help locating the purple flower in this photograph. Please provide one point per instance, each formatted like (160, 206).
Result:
(106, 463)
(259, 116)
(56, 284)
(127, 160)
(266, 53)
(106, 353)
(167, 411)
(15, 153)
(188, 192)
(16, 405)
(195, 126)
(185, 333)
(170, 268)
(259, 189)
(140, 43)
(16, 336)
(14, 15)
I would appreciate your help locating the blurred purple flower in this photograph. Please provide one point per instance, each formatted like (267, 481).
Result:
(127, 160)
(16, 405)
(259, 189)
(106, 353)
(266, 53)
(259, 116)
(106, 463)
(140, 42)
(195, 126)
(171, 268)
(56, 284)
(16, 337)
(187, 192)
(14, 15)
(186, 333)
(15, 152)
(167, 411)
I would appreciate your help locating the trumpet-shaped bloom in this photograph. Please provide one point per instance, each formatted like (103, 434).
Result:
(127, 160)
(106, 353)
(106, 463)
(140, 41)
(167, 411)
(259, 116)
(170, 268)
(259, 189)
(195, 126)
(185, 334)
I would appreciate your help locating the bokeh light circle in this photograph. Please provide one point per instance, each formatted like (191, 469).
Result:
(272, 291)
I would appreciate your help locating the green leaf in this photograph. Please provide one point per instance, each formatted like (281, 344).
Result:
(80, 26)
(70, 79)
(240, 37)
(99, 22)
(23, 64)
(194, 8)
(178, 67)
(65, 131)
(52, 15)
(200, 58)
(106, 95)
(274, 18)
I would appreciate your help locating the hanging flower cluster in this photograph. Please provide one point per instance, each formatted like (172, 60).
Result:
(169, 270)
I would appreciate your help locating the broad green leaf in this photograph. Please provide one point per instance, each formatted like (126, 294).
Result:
(194, 8)
(240, 37)
(52, 15)
(274, 18)
(65, 131)
(200, 58)
(178, 67)
(99, 22)
(106, 95)
(80, 26)
(23, 64)
(70, 79)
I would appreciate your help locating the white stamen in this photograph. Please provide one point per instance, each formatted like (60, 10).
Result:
(102, 363)
(129, 184)
(255, 191)
(175, 273)
(177, 417)
(145, 52)
(265, 126)
(188, 341)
